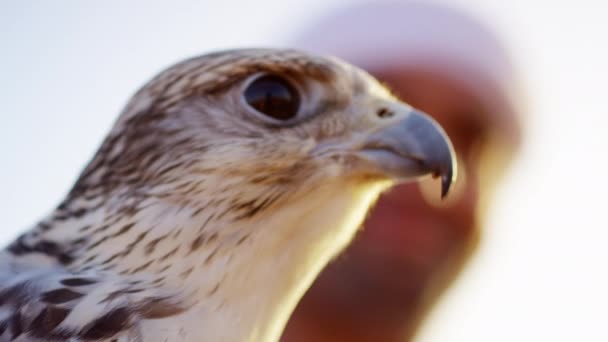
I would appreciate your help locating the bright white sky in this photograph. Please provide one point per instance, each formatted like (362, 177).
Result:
(67, 68)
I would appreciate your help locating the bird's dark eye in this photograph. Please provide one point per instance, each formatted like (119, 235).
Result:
(273, 96)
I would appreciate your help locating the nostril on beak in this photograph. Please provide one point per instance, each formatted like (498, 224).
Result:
(385, 113)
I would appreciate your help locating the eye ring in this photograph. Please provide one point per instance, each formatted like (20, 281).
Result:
(273, 96)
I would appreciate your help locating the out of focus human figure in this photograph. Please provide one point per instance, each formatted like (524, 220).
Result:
(451, 66)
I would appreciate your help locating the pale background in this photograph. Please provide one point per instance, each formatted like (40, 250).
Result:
(67, 68)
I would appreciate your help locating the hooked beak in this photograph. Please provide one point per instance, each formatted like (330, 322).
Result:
(413, 147)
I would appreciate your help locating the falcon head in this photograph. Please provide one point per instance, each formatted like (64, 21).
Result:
(232, 179)
(278, 120)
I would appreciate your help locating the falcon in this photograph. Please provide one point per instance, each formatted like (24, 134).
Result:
(225, 186)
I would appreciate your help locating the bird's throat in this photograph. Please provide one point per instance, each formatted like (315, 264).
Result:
(272, 269)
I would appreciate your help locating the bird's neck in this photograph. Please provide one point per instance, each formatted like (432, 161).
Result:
(273, 267)
(239, 278)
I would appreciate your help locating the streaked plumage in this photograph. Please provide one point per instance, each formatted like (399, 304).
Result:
(201, 219)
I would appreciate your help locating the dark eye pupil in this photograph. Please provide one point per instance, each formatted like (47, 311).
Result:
(273, 96)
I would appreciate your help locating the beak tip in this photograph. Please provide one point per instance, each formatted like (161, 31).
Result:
(446, 182)
(447, 178)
